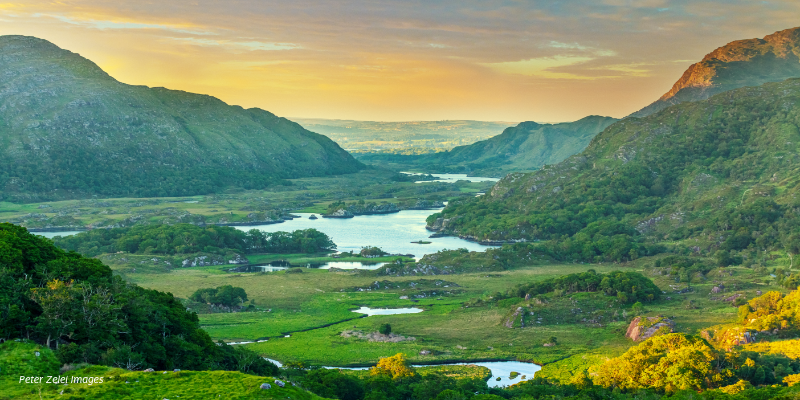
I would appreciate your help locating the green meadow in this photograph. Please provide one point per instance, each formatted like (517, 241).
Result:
(315, 307)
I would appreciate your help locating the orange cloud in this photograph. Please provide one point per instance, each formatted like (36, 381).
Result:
(403, 60)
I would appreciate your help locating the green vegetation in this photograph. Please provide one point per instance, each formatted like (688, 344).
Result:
(227, 295)
(31, 360)
(691, 174)
(74, 304)
(525, 147)
(189, 239)
(628, 287)
(240, 207)
(142, 141)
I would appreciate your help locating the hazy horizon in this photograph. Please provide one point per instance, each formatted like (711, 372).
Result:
(407, 60)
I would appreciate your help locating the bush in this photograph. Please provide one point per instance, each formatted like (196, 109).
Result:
(385, 329)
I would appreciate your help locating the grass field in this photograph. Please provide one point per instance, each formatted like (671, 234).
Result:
(30, 360)
(236, 206)
(315, 307)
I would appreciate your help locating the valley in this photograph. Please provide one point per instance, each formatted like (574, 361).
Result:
(646, 257)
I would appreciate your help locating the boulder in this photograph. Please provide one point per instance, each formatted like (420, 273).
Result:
(424, 352)
(716, 289)
(279, 383)
(149, 370)
(265, 386)
(643, 328)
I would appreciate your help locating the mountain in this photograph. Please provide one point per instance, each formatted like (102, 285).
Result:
(525, 147)
(750, 62)
(70, 130)
(724, 171)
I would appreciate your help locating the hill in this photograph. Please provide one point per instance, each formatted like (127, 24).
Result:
(69, 130)
(525, 147)
(723, 171)
(750, 62)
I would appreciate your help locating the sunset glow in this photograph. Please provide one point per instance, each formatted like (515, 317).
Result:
(404, 60)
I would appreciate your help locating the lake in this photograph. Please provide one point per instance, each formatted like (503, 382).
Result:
(452, 178)
(391, 232)
(282, 265)
(51, 234)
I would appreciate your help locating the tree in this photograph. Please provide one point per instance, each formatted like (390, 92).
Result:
(669, 362)
(385, 329)
(332, 383)
(226, 295)
(395, 366)
(58, 305)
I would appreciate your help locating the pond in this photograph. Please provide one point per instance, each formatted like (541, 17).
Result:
(387, 311)
(391, 232)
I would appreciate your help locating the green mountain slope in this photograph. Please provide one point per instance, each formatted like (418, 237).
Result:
(750, 62)
(725, 171)
(70, 130)
(525, 147)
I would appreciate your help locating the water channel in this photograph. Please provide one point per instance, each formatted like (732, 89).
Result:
(500, 369)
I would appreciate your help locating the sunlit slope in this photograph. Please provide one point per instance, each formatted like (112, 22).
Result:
(750, 62)
(717, 165)
(70, 130)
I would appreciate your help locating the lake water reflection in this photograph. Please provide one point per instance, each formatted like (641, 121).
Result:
(391, 232)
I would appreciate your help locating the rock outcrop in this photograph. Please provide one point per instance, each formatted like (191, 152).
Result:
(750, 62)
(643, 328)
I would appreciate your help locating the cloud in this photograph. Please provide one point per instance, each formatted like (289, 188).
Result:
(111, 24)
(247, 45)
(405, 59)
(541, 67)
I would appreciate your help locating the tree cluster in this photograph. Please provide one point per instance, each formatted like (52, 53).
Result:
(628, 287)
(189, 239)
(226, 295)
(74, 304)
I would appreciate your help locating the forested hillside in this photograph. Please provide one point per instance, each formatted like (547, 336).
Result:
(73, 304)
(525, 147)
(723, 171)
(69, 130)
(750, 62)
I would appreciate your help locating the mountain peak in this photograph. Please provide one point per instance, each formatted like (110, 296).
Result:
(749, 62)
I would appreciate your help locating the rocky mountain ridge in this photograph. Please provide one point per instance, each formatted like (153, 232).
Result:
(750, 62)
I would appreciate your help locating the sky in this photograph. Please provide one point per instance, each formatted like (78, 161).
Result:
(398, 60)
